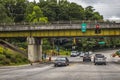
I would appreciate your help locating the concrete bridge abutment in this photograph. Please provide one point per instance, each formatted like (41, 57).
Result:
(34, 49)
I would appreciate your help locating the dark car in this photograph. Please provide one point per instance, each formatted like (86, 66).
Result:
(99, 59)
(61, 61)
(86, 57)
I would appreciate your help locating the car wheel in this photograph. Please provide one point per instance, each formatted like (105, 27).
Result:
(104, 63)
(83, 60)
(55, 65)
(66, 64)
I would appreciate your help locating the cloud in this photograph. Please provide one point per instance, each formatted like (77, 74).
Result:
(114, 18)
(107, 8)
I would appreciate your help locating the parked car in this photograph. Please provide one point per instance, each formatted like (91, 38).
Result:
(99, 59)
(82, 54)
(86, 57)
(90, 52)
(61, 61)
(74, 53)
(78, 53)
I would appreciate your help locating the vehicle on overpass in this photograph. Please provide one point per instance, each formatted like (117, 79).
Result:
(61, 61)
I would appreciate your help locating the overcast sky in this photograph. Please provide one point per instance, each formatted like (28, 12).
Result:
(110, 9)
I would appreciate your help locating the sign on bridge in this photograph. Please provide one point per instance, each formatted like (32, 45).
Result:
(83, 27)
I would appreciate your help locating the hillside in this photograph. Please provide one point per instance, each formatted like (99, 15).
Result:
(10, 57)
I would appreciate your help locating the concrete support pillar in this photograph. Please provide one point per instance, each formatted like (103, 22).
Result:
(34, 49)
(39, 49)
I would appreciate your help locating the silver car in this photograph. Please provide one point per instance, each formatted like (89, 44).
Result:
(99, 59)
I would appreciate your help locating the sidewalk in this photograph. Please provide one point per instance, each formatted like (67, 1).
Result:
(5, 67)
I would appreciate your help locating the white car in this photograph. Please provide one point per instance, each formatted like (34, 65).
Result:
(90, 52)
(74, 53)
(82, 54)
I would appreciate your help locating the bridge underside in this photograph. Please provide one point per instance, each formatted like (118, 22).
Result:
(61, 33)
(34, 38)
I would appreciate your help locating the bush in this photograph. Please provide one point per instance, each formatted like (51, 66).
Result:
(2, 57)
(9, 57)
(4, 60)
(118, 52)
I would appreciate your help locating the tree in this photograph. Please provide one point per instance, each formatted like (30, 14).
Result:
(90, 14)
(76, 12)
(51, 10)
(97, 16)
(63, 10)
(19, 10)
(15, 9)
(3, 15)
(35, 15)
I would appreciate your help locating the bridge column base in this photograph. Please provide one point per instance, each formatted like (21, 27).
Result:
(34, 49)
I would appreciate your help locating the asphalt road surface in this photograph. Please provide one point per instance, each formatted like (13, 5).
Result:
(75, 71)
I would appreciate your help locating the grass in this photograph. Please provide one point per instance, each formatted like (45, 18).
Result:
(9, 57)
(62, 52)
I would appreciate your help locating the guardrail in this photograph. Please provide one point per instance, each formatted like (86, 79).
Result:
(58, 22)
(55, 25)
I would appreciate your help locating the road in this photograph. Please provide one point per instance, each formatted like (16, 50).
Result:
(75, 71)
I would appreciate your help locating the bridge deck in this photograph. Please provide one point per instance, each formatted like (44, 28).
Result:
(53, 27)
(57, 30)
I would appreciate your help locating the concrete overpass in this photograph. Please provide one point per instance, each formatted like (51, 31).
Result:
(58, 30)
(35, 33)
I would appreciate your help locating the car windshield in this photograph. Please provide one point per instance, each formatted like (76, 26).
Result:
(73, 51)
(100, 56)
(60, 59)
(86, 55)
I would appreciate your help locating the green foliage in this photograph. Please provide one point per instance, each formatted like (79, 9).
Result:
(15, 9)
(3, 15)
(117, 52)
(46, 44)
(2, 56)
(36, 15)
(44, 11)
(76, 12)
(9, 57)
(65, 10)
(43, 20)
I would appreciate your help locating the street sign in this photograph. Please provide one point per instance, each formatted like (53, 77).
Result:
(102, 42)
(83, 27)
